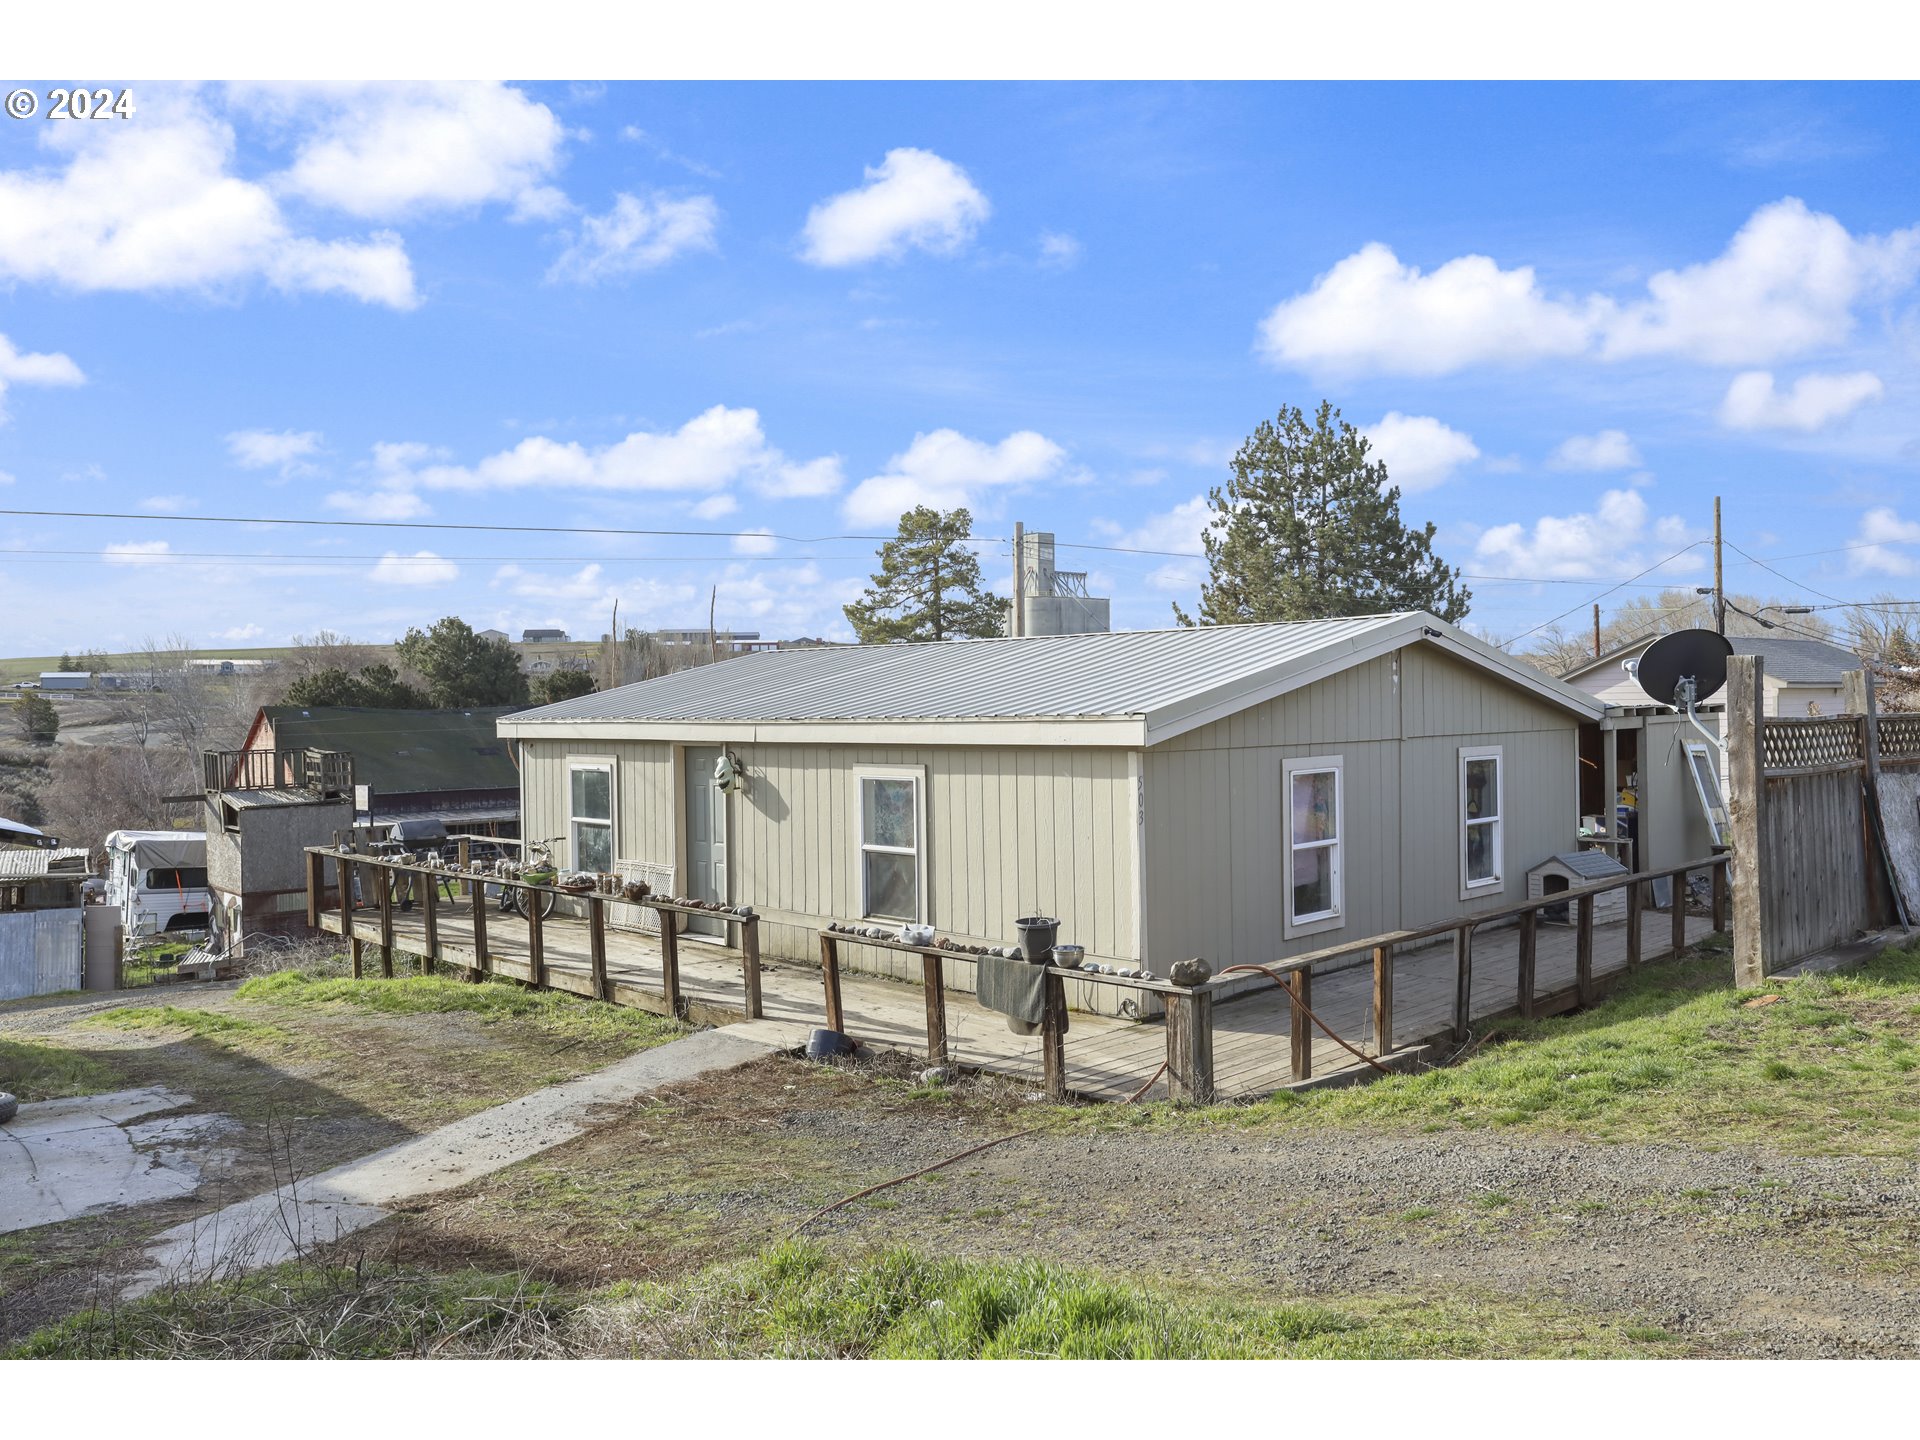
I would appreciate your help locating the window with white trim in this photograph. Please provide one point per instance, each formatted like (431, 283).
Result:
(891, 820)
(1482, 820)
(1315, 843)
(590, 815)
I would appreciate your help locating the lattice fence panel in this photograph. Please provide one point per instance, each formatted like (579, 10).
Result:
(1900, 735)
(1809, 744)
(638, 917)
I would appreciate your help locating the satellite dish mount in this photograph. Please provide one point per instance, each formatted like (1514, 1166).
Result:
(1678, 669)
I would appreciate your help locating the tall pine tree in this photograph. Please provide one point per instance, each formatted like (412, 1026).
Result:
(1309, 528)
(928, 586)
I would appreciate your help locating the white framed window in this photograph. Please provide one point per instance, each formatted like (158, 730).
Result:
(1482, 820)
(890, 817)
(590, 815)
(1316, 844)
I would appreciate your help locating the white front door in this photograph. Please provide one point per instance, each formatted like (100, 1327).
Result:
(706, 832)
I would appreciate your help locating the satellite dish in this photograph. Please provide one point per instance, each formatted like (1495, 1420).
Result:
(1699, 655)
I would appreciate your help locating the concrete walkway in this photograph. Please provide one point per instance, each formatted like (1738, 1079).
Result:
(285, 1222)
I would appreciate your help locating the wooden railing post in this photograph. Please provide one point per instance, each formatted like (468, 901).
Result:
(481, 960)
(934, 982)
(750, 964)
(670, 964)
(536, 936)
(1679, 912)
(597, 946)
(386, 920)
(1190, 1048)
(430, 918)
(1053, 1036)
(345, 866)
(1383, 999)
(1529, 961)
(473, 888)
(1462, 981)
(316, 886)
(1300, 1028)
(830, 977)
(1636, 910)
(1583, 949)
(1720, 899)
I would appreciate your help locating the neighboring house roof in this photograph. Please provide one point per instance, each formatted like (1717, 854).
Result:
(1790, 661)
(402, 752)
(18, 865)
(1143, 685)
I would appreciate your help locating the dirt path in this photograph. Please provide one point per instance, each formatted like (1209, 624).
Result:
(1738, 1252)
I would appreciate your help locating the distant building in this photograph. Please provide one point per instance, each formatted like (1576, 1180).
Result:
(494, 635)
(1057, 602)
(65, 680)
(543, 637)
(724, 642)
(1803, 677)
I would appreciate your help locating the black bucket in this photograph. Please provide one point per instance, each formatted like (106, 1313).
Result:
(824, 1044)
(1037, 934)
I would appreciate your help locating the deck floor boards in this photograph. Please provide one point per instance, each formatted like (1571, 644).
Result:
(1107, 1058)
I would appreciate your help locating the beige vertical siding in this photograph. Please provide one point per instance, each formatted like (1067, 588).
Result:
(1215, 805)
(1009, 832)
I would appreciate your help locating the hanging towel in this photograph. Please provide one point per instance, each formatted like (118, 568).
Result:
(1015, 988)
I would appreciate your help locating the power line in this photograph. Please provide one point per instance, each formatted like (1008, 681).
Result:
(1595, 599)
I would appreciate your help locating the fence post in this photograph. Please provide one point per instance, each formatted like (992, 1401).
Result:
(934, 983)
(1383, 999)
(750, 964)
(1746, 817)
(1190, 1047)
(1529, 961)
(1719, 873)
(830, 977)
(1462, 981)
(670, 963)
(1679, 912)
(480, 959)
(466, 859)
(430, 918)
(1299, 1027)
(316, 885)
(386, 921)
(344, 867)
(1636, 905)
(597, 946)
(1583, 948)
(1053, 1036)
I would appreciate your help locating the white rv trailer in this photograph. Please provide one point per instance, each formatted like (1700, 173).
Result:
(157, 880)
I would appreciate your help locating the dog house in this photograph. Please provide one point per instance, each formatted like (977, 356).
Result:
(1569, 872)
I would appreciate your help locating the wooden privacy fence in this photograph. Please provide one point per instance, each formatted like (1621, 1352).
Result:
(1803, 803)
(1191, 1010)
(381, 872)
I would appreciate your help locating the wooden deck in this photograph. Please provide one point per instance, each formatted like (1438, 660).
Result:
(1107, 1059)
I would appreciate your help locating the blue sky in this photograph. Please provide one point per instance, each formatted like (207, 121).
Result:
(1568, 314)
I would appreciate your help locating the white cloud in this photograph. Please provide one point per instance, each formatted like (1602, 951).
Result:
(759, 541)
(1420, 452)
(637, 234)
(1752, 402)
(379, 504)
(5, 478)
(714, 507)
(584, 585)
(1880, 528)
(21, 367)
(166, 504)
(243, 632)
(1370, 312)
(389, 151)
(282, 450)
(1585, 546)
(912, 199)
(1789, 281)
(153, 205)
(423, 567)
(135, 552)
(1059, 251)
(946, 469)
(1609, 450)
(808, 481)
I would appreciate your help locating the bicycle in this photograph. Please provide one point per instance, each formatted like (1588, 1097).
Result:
(538, 869)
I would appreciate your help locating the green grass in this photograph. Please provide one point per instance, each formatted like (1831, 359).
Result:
(551, 1011)
(208, 1024)
(796, 1301)
(1676, 1053)
(46, 1072)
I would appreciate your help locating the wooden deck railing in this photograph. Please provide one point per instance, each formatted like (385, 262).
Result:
(473, 886)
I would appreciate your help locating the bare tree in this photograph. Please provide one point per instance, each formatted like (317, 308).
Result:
(92, 790)
(326, 650)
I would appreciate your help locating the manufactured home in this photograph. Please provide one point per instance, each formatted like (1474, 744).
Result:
(1803, 676)
(1241, 793)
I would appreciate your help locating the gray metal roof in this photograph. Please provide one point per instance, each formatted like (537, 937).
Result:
(1110, 675)
(1798, 662)
(1587, 864)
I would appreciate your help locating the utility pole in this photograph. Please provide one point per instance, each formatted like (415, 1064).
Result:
(1596, 629)
(1719, 589)
(1019, 622)
(713, 646)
